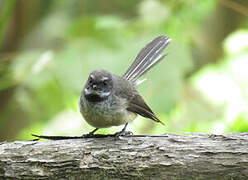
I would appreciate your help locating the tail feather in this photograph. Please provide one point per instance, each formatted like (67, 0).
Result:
(149, 66)
(141, 56)
(149, 56)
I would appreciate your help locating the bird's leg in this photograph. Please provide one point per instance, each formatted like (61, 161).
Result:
(90, 134)
(122, 132)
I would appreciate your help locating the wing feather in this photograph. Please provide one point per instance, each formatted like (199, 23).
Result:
(138, 105)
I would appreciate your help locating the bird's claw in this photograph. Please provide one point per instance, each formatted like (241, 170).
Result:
(123, 133)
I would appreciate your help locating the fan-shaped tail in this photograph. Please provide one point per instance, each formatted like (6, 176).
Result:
(149, 56)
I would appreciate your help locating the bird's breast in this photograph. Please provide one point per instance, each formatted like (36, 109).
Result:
(105, 113)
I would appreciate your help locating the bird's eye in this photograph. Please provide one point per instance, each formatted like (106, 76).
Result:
(105, 82)
(91, 78)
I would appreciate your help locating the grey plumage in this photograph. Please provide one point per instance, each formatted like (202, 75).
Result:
(111, 100)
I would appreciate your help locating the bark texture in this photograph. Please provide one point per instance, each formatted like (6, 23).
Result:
(193, 156)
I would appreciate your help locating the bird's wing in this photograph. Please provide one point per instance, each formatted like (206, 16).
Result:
(138, 105)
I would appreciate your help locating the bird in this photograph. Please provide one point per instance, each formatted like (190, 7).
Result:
(112, 100)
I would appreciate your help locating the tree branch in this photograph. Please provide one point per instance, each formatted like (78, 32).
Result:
(193, 156)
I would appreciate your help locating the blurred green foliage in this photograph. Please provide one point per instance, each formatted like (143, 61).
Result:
(49, 50)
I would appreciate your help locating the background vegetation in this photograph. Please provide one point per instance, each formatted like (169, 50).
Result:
(48, 48)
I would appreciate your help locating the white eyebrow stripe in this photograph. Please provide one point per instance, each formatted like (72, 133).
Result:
(104, 78)
(92, 76)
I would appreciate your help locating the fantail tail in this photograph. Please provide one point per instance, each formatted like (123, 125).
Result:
(149, 56)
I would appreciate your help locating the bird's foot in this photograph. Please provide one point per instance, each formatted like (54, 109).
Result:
(123, 133)
(90, 134)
